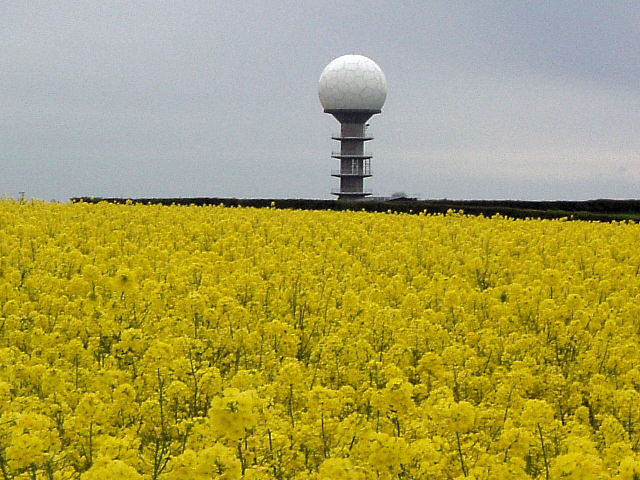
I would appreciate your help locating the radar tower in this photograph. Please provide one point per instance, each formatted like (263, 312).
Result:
(352, 88)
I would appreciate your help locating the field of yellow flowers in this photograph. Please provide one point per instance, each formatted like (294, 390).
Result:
(195, 343)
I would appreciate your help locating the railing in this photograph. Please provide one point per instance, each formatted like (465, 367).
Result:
(339, 136)
(352, 155)
(359, 194)
(354, 171)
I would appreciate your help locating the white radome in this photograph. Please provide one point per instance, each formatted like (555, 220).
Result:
(352, 82)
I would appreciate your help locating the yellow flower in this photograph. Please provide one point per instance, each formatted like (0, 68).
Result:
(191, 343)
(106, 469)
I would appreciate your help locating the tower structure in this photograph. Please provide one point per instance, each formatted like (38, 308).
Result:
(352, 88)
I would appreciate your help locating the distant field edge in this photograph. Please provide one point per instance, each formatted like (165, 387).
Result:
(601, 210)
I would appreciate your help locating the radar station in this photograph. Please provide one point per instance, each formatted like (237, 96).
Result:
(352, 88)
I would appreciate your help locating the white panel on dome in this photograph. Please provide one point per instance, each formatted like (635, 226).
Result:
(352, 82)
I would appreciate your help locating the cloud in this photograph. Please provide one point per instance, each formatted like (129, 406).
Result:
(175, 99)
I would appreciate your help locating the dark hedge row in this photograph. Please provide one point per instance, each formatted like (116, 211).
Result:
(597, 210)
(593, 206)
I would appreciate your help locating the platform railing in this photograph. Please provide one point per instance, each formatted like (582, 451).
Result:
(352, 155)
(355, 171)
(356, 194)
(339, 136)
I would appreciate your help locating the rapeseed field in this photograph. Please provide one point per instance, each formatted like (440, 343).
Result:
(194, 343)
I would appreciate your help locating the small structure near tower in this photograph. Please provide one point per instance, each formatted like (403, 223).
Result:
(352, 88)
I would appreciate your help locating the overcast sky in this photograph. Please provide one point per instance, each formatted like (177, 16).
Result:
(487, 100)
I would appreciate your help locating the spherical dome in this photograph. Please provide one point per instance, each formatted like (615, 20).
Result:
(352, 82)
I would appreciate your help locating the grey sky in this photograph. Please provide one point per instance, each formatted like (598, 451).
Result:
(521, 100)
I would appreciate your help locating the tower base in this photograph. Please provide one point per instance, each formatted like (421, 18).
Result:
(350, 196)
(354, 161)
